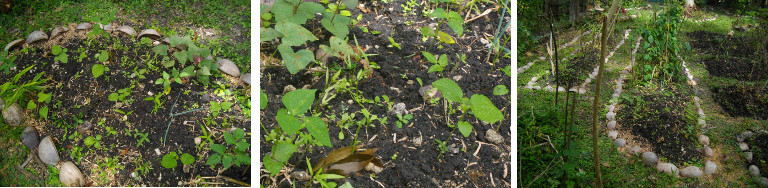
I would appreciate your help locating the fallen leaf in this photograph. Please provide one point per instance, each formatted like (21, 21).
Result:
(606, 165)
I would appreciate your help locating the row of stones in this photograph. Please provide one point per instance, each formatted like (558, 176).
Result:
(754, 171)
(542, 58)
(69, 174)
(581, 89)
(224, 65)
(706, 19)
(532, 83)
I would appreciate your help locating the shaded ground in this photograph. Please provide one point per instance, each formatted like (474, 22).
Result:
(759, 147)
(742, 101)
(733, 57)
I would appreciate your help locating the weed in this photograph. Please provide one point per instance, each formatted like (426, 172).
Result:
(93, 141)
(6, 61)
(481, 106)
(235, 155)
(441, 147)
(393, 43)
(403, 119)
(121, 95)
(60, 53)
(12, 91)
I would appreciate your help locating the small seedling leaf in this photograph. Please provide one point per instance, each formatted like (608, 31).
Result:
(484, 109)
(438, 13)
(500, 90)
(188, 71)
(429, 56)
(218, 148)
(239, 133)
(113, 97)
(445, 38)
(226, 161)
(97, 70)
(216, 159)
(56, 49)
(264, 100)
(465, 128)
(271, 165)
(161, 49)
(44, 112)
(435, 68)
(242, 146)
(336, 25)
(295, 61)
(169, 160)
(455, 23)
(449, 88)
(318, 129)
(229, 138)
(187, 159)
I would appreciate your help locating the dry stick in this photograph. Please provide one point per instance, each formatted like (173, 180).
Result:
(596, 100)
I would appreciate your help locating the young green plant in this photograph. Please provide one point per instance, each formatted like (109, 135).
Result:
(481, 106)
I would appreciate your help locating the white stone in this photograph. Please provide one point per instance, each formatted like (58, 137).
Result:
(668, 168)
(743, 146)
(198, 140)
(14, 43)
(610, 116)
(13, 115)
(494, 137)
(246, 78)
(157, 151)
(620, 142)
(47, 151)
(609, 108)
(691, 172)
(127, 30)
(611, 125)
(702, 122)
(70, 175)
(650, 158)
(36, 36)
(754, 171)
(84, 26)
(704, 140)
(762, 182)
(228, 67)
(710, 168)
(634, 150)
(30, 138)
(749, 157)
(151, 33)
(708, 151)
(58, 30)
(613, 134)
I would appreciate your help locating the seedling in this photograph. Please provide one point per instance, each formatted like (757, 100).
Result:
(60, 53)
(158, 103)
(393, 43)
(454, 20)
(6, 61)
(438, 64)
(121, 94)
(235, 155)
(403, 119)
(481, 106)
(12, 91)
(91, 141)
(216, 107)
(440, 147)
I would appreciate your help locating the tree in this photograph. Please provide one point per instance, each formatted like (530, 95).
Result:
(690, 6)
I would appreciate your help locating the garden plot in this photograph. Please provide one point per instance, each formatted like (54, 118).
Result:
(115, 105)
(387, 94)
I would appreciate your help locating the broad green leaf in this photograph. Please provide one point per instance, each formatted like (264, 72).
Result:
(465, 128)
(226, 161)
(89, 141)
(449, 88)
(113, 97)
(169, 160)
(181, 56)
(296, 35)
(242, 146)
(31, 105)
(188, 71)
(484, 109)
(455, 23)
(271, 165)
(443, 61)
(299, 101)
(284, 10)
(229, 138)
(268, 34)
(338, 26)
(238, 133)
(426, 31)
(264, 100)
(438, 13)
(500, 90)
(97, 70)
(161, 49)
(507, 70)
(445, 38)
(187, 159)
(44, 112)
(103, 56)
(288, 123)
(350, 4)
(283, 151)
(216, 159)
(435, 68)
(429, 56)
(218, 148)
(295, 61)
(340, 45)
(43, 97)
(318, 129)
(345, 13)
(56, 49)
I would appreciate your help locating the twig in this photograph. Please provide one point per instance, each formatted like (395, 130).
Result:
(234, 181)
(542, 173)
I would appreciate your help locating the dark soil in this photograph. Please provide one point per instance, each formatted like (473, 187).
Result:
(742, 101)
(732, 57)
(413, 166)
(759, 147)
(77, 95)
(659, 120)
(576, 69)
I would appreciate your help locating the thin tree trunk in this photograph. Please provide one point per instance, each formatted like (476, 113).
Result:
(598, 83)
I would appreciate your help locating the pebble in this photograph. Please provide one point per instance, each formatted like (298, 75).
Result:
(373, 168)
(70, 175)
(708, 151)
(416, 141)
(635, 150)
(127, 30)
(84, 26)
(14, 43)
(36, 36)
(47, 151)
(84, 127)
(650, 158)
(229, 67)
(288, 88)
(754, 171)
(749, 156)
(691, 172)
(668, 168)
(410, 82)
(151, 33)
(300, 175)
(429, 92)
(609, 108)
(457, 78)
(610, 116)
(704, 140)
(493, 136)
(198, 140)
(157, 151)
(613, 134)
(321, 55)
(620, 142)
(399, 108)
(453, 148)
(702, 122)
(710, 168)
(30, 138)
(13, 115)
(611, 125)
(743, 146)
(246, 78)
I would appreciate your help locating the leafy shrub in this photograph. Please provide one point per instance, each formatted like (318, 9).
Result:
(661, 46)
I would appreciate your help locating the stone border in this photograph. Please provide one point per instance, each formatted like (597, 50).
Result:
(754, 171)
(542, 58)
(581, 89)
(705, 19)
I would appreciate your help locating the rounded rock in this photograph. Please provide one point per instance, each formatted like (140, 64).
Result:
(84, 26)
(749, 156)
(246, 78)
(708, 151)
(620, 142)
(321, 55)
(14, 43)
(227, 66)
(58, 31)
(70, 175)
(634, 150)
(610, 108)
(610, 116)
(300, 175)
(47, 151)
(13, 115)
(416, 141)
(754, 171)
(493, 136)
(702, 122)
(128, 30)
(668, 168)
(704, 140)
(691, 172)
(399, 108)
(743, 146)
(762, 182)
(611, 125)
(650, 158)
(36, 36)
(151, 33)
(747, 134)
(30, 138)
(613, 134)
(710, 168)
(288, 88)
